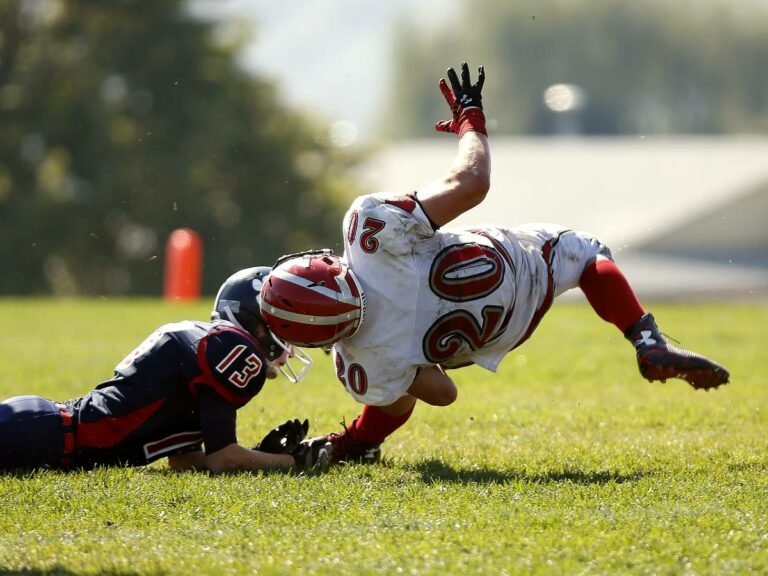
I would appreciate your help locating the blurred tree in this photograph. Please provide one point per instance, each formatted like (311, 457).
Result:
(614, 67)
(122, 121)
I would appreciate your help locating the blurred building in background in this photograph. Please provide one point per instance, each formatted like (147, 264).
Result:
(248, 121)
(627, 120)
(685, 217)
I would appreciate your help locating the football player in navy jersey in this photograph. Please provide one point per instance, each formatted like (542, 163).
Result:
(177, 392)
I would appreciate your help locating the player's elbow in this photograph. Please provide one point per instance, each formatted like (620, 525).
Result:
(475, 185)
(482, 182)
(187, 461)
(481, 190)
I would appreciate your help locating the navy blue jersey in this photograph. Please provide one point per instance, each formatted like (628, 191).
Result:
(153, 405)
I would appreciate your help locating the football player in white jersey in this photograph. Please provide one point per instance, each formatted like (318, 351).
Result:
(409, 300)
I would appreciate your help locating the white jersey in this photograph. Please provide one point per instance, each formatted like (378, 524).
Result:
(447, 297)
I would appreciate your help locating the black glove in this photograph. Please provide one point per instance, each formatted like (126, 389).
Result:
(465, 100)
(316, 452)
(284, 439)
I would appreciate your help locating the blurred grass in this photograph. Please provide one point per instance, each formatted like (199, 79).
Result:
(566, 461)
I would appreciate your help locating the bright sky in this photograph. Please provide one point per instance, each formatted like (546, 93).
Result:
(335, 56)
(332, 56)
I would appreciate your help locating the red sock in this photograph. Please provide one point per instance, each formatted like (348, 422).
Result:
(374, 425)
(610, 294)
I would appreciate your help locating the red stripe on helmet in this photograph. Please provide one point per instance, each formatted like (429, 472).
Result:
(312, 301)
(294, 297)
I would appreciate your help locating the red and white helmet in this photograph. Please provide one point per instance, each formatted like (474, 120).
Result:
(312, 299)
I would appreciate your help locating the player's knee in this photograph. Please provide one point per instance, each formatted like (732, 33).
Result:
(433, 386)
(451, 396)
(444, 397)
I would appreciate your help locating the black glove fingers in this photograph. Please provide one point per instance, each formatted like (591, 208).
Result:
(480, 78)
(454, 80)
(285, 437)
(461, 96)
(272, 442)
(466, 83)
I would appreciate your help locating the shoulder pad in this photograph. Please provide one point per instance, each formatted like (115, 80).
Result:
(232, 363)
(385, 223)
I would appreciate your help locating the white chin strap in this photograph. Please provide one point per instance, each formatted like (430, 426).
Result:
(297, 362)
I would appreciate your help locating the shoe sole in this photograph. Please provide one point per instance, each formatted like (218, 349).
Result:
(701, 378)
(374, 458)
(324, 457)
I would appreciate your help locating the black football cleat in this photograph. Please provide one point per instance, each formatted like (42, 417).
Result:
(660, 360)
(313, 453)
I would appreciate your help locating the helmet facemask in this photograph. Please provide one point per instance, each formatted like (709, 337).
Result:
(238, 302)
(297, 361)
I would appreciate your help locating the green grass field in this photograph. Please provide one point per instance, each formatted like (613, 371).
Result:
(565, 462)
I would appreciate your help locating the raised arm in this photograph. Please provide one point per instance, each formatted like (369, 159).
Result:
(468, 180)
